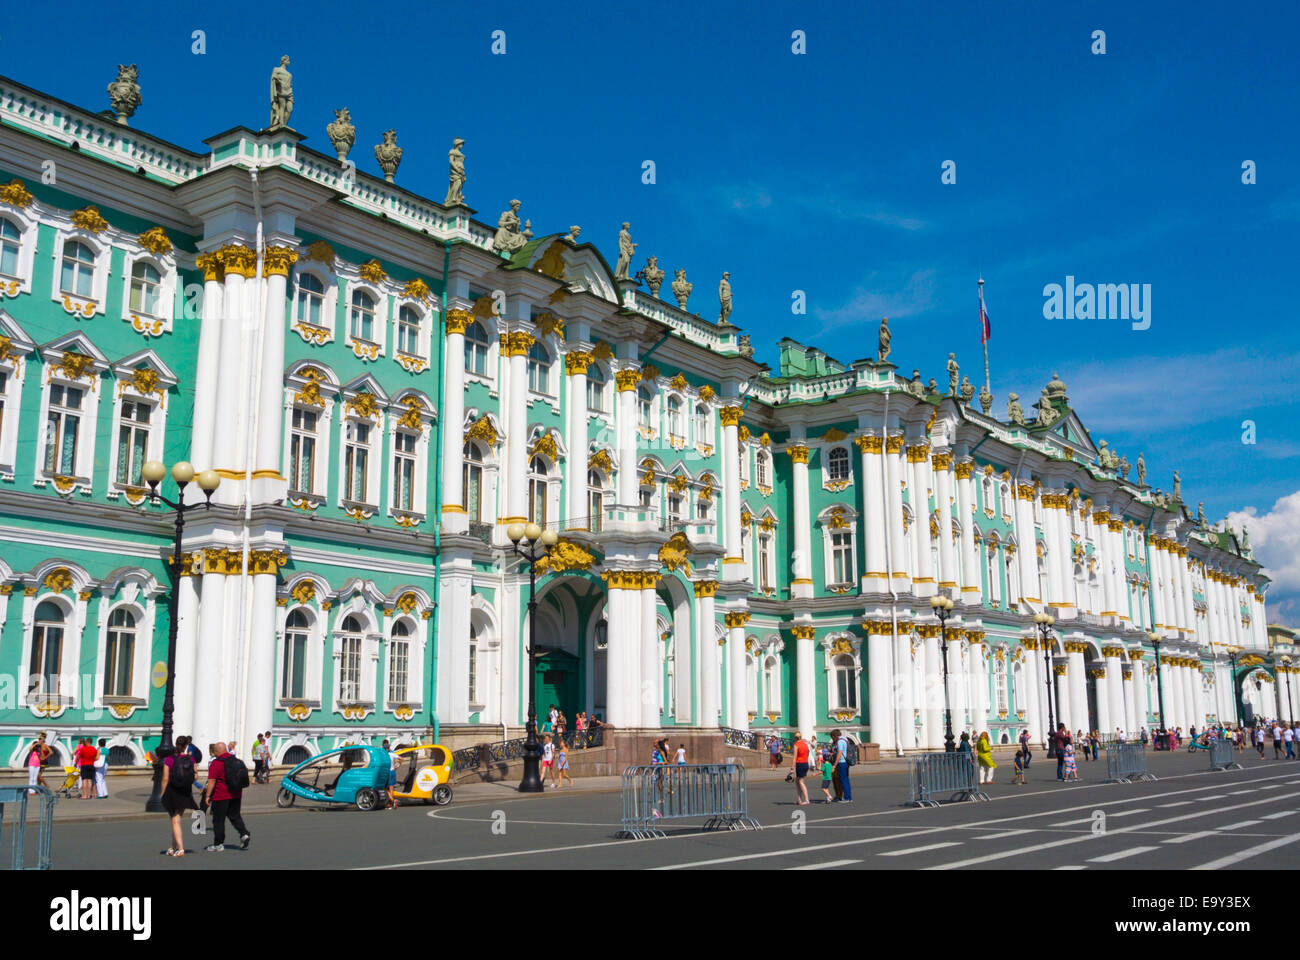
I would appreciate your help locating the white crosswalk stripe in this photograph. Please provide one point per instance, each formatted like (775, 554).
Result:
(1237, 793)
(932, 846)
(1277, 816)
(825, 866)
(1180, 803)
(1238, 826)
(1249, 852)
(1072, 866)
(999, 836)
(1191, 836)
(1111, 857)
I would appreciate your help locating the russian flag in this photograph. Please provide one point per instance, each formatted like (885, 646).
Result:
(986, 333)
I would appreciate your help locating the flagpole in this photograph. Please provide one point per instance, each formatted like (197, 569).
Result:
(983, 338)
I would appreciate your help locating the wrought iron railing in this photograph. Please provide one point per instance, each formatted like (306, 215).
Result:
(503, 751)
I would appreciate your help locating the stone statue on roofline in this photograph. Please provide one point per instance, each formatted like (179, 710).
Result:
(625, 250)
(986, 399)
(914, 386)
(1201, 522)
(967, 391)
(1047, 414)
(281, 95)
(745, 349)
(885, 338)
(455, 175)
(573, 234)
(1015, 413)
(124, 92)
(1178, 487)
(508, 238)
(341, 133)
(1106, 458)
(1245, 537)
(724, 299)
(953, 371)
(682, 289)
(932, 386)
(1142, 470)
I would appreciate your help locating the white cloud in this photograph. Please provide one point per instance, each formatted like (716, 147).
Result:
(1275, 539)
(866, 307)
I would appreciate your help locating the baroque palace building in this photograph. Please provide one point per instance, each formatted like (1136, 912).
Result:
(384, 383)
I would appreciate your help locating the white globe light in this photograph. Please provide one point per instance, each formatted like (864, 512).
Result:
(183, 472)
(153, 471)
(515, 532)
(550, 538)
(532, 531)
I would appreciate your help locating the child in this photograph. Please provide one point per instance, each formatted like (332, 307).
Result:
(562, 767)
(1020, 767)
(827, 771)
(1071, 768)
(548, 755)
(681, 754)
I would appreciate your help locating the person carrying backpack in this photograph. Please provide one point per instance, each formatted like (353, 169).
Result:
(842, 764)
(177, 794)
(227, 778)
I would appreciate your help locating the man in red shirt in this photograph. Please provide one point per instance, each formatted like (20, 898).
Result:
(799, 769)
(225, 802)
(84, 757)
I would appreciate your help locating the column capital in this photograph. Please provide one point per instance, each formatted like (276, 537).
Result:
(457, 320)
(576, 362)
(706, 588)
(736, 619)
(869, 444)
(798, 453)
(237, 258)
(212, 266)
(627, 379)
(894, 445)
(730, 416)
(276, 261)
(802, 631)
(518, 343)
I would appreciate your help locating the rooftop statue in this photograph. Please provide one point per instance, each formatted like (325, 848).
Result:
(1245, 537)
(953, 379)
(1142, 471)
(885, 337)
(341, 133)
(456, 175)
(1047, 414)
(914, 386)
(1178, 487)
(932, 386)
(1015, 413)
(573, 234)
(1201, 522)
(388, 154)
(682, 289)
(124, 92)
(967, 390)
(281, 95)
(654, 275)
(745, 349)
(625, 250)
(508, 238)
(986, 399)
(724, 298)
(1106, 458)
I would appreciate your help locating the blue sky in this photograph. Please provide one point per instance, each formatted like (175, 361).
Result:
(821, 173)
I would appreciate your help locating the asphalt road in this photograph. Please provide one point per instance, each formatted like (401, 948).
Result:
(1190, 818)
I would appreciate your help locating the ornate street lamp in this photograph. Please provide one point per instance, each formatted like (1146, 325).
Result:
(183, 473)
(1160, 686)
(1044, 622)
(536, 544)
(1232, 659)
(942, 606)
(1286, 672)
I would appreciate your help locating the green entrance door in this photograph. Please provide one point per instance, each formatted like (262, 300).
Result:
(556, 683)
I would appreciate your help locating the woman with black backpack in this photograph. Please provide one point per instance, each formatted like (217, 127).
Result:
(178, 792)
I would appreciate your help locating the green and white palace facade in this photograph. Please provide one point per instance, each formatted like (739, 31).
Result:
(382, 392)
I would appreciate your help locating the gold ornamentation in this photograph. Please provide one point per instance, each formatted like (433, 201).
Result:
(372, 272)
(144, 380)
(706, 588)
(79, 308)
(237, 258)
(485, 307)
(354, 712)
(29, 591)
(74, 365)
(730, 416)
(364, 350)
(564, 556)
(551, 263)
(919, 453)
(407, 602)
(481, 429)
(411, 363)
(602, 351)
(155, 240)
(416, 289)
(15, 194)
(627, 379)
(600, 460)
(88, 219)
(321, 252)
(276, 261)
(576, 362)
(841, 645)
(545, 446)
(458, 320)
(299, 711)
(648, 477)
(304, 592)
(411, 418)
(736, 618)
(518, 344)
(650, 373)
(941, 461)
(742, 434)
(869, 444)
(673, 554)
(833, 435)
(149, 326)
(58, 580)
(894, 445)
(266, 561)
(403, 712)
(121, 710)
(548, 324)
(706, 392)
(837, 520)
(798, 453)
(309, 395)
(311, 333)
(357, 513)
(364, 405)
(802, 631)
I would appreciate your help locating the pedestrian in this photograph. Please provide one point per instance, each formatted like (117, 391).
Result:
(561, 726)
(548, 756)
(773, 752)
(562, 767)
(964, 746)
(799, 769)
(101, 770)
(34, 763)
(1288, 735)
(224, 792)
(84, 758)
(984, 757)
(1277, 741)
(266, 757)
(177, 794)
(257, 758)
(828, 773)
(392, 775)
(1024, 747)
(46, 752)
(580, 726)
(1144, 736)
(1020, 768)
(842, 765)
(1096, 744)
(550, 717)
(1259, 740)
(1059, 740)
(681, 754)
(1071, 767)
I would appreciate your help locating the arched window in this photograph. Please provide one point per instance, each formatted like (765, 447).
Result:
(837, 464)
(78, 269)
(145, 286)
(702, 434)
(595, 500)
(537, 491)
(1042, 578)
(399, 658)
(676, 431)
(473, 481)
(475, 632)
(476, 348)
(293, 681)
(986, 490)
(539, 368)
(1013, 577)
(9, 247)
(760, 469)
(765, 561)
(596, 381)
(994, 573)
(302, 450)
(350, 661)
(47, 649)
(1006, 499)
(408, 331)
(120, 653)
(674, 506)
(644, 405)
(311, 299)
(845, 683)
(363, 316)
(771, 685)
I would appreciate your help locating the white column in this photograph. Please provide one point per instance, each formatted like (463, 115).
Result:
(707, 645)
(1174, 692)
(899, 559)
(918, 459)
(1114, 687)
(457, 585)
(1141, 704)
(231, 424)
(1028, 546)
(1078, 690)
(517, 346)
(805, 678)
(206, 375)
(626, 381)
(933, 715)
(737, 693)
(879, 684)
(575, 365)
(1103, 703)
(978, 683)
(187, 648)
(652, 684)
(451, 421)
(801, 585)
(1192, 697)
(1189, 598)
(1031, 696)
(270, 400)
(905, 713)
(941, 471)
(1157, 580)
(970, 565)
(259, 702)
(1131, 724)
(622, 663)
(733, 562)
(206, 726)
(957, 687)
(876, 577)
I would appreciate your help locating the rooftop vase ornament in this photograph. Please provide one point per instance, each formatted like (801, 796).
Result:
(124, 92)
(682, 289)
(884, 339)
(625, 250)
(508, 238)
(341, 133)
(456, 175)
(724, 299)
(1123, 468)
(967, 390)
(654, 275)
(281, 95)
(388, 154)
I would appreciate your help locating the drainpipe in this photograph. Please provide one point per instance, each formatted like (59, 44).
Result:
(437, 496)
(889, 570)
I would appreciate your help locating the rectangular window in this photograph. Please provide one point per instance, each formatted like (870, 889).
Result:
(403, 470)
(842, 557)
(595, 510)
(4, 393)
(675, 508)
(350, 670)
(356, 460)
(397, 671)
(132, 440)
(302, 451)
(473, 481)
(61, 425)
(294, 686)
(408, 334)
(473, 671)
(765, 563)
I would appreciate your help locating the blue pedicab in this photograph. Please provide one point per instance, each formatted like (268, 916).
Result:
(1202, 741)
(357, 775)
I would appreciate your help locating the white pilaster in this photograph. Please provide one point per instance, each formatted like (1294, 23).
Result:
(801, 585)
(451, 421)
(876, 578)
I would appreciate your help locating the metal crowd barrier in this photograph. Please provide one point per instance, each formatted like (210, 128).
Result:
(1126, 762)
(13, 801)
(933, 774)
(665, 791)
(1221, 756)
